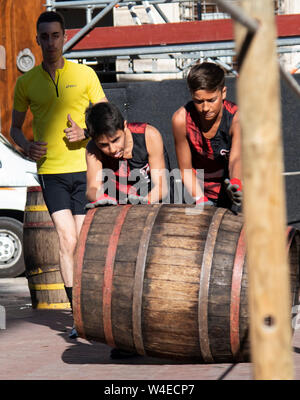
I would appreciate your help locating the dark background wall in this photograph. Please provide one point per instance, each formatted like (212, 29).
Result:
(155, 103)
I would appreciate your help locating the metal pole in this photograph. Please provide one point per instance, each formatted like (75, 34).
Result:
(150, 50)
(102, 3)
(199, 10)
(87, 28)
(89, 14)
(133, 14)
(149, 12)
(49, 6)
(161, 13)
(212, 48)
(81, 4)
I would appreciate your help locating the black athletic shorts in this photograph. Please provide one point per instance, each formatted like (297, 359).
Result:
(65, 191)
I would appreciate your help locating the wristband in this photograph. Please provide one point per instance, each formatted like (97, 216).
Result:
(103, 200)
(105, 196)
(201, 199)
(236, 181)
(134, 197)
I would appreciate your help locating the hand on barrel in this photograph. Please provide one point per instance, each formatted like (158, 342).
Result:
(103, 200)
(234, 190)
(136, 199)
(73, 133)
(203, 200)
(36, 150)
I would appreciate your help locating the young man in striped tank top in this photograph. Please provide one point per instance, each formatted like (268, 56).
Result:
(207, 137)
(130, 155)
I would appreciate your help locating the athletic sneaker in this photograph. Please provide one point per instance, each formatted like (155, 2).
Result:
(73, 334)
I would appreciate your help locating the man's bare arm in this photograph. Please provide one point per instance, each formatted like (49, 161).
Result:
(34, 150)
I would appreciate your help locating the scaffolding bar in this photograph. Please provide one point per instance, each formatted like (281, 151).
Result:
(288, 27)
(181, 48)
(87, 28)
(102, 3)
(118, 51)
(151, 35)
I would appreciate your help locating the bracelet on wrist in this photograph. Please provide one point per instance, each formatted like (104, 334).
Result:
(236, 181)
(200, 199)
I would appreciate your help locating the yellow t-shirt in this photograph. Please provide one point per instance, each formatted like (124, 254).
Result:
(75, 86)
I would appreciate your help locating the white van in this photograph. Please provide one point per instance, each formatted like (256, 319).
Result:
(17, 172)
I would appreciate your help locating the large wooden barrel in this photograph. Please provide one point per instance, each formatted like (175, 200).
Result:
(41, 255)
(167, 281)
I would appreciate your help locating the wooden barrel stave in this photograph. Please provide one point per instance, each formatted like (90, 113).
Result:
(181, 262)
(220, 291)
(167, 323)
(41, 255)
(47, 290)
(124, 274)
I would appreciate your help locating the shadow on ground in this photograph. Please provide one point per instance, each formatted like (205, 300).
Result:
(78, 351)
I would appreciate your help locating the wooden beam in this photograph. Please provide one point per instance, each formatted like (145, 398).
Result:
(172, 33)
(258, 93)
(14, 15)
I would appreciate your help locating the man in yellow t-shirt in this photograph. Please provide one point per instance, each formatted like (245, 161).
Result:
(58, 92)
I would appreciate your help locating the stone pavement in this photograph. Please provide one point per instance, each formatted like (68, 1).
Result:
(35, 346)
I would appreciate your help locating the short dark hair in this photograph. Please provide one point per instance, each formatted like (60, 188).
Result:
(51, 16)
(103, 119)
(206, 76)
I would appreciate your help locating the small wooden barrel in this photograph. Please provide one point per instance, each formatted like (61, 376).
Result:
(41, 255)
(167, 281)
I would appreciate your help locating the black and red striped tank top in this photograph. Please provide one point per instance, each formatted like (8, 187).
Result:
(129, 172)
(212, 155)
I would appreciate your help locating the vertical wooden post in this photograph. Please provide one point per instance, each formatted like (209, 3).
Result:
(258, 93)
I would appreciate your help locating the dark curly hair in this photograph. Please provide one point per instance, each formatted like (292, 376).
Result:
(103, 119)
(51, 16)
(206, 76)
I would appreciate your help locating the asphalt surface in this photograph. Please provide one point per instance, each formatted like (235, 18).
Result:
(34, 345)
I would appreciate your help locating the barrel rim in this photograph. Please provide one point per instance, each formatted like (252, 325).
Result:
(139, 279)
(206, 266)
(235, 296)
(79, 257)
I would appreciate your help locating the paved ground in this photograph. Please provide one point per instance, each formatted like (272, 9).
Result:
(35, 346)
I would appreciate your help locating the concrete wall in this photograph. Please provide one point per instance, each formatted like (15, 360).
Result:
(155, 102)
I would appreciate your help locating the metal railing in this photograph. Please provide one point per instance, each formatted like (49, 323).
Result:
(184, 54)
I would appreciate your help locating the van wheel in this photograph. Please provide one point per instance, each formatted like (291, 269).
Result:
(11, 248)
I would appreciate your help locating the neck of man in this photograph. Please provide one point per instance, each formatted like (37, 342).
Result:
(210, 127)
(52, 66)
